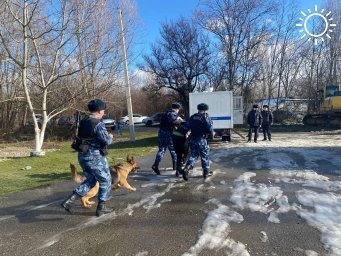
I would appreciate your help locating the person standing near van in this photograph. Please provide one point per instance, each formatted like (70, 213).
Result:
(266, 122)
(254, 120)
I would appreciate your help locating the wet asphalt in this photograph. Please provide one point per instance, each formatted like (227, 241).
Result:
(164, 216)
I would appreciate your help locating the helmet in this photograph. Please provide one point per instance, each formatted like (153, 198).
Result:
(202, 106)
(255, 106)
(176, 105)
(265, 106)
(96, 105)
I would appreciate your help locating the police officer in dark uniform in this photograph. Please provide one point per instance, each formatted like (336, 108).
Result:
(168, 121)
(180, 145)
(254, 120)
(266, 122)
(200, 125)
(93, 138)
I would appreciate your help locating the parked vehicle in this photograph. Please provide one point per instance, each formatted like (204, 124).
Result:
(39, 118)
(137, 119)
(329, 108)
(67, 121)
(151, 120)
(110, 124)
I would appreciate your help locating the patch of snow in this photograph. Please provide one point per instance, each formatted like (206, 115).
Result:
(144, 253)
(325, 215)
(310, 253)
(7, 217)
(256, 197)
(152, 184)
(215, 230)
(307, 178)
(51, 241)
(264, 237)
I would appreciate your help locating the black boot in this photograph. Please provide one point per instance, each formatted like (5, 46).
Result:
(102, 209)
(174, 166)
(207, 173)
(265, 139)
(178, 171)
(185, 173)
(155, 168)
(67, 204)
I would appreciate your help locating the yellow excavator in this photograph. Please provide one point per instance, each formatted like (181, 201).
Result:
(329, 111)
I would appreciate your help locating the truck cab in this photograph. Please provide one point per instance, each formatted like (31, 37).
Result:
(331, 99)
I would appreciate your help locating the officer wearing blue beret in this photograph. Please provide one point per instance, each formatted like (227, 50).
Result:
(94, 139)
(168, 121)
(200, 125)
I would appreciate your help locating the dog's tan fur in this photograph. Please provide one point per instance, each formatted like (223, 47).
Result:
(119, 174)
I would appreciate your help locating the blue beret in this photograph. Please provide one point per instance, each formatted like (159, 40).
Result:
(176, 105)
(96, 105)
(202, 106)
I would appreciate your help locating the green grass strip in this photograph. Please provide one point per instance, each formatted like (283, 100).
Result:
(54, 166)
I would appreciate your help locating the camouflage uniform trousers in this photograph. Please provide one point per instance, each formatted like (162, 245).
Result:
(95, 168)
(165, 141)
(199, 147)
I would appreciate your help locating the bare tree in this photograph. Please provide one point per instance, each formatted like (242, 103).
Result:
(240, 27)
(179, 59)
(333, 46)
(52, 39)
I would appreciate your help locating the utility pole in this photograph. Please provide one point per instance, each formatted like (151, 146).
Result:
(128, 95)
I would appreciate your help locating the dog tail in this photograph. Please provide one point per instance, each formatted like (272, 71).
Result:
(75, 176)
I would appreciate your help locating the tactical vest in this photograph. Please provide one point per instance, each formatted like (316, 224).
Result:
(85, 135)
(166, 122)
(87, 127)
(198, 125)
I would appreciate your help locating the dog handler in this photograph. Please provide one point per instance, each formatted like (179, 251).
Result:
(93, 138)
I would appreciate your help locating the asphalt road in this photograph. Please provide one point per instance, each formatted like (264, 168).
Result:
(270, 198)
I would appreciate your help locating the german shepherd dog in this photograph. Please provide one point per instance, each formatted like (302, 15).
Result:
(119, 175)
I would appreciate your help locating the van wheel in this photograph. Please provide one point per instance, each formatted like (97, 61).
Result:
(149, 123)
